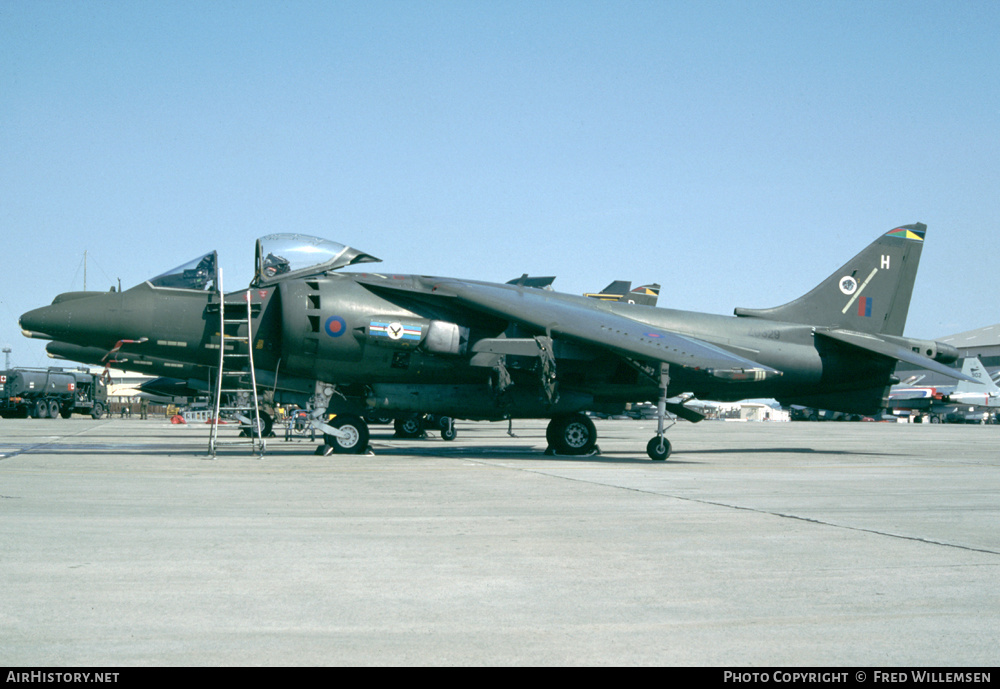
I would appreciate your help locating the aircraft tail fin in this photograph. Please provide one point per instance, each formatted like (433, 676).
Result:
(870, 293)
(529, 281)
(974, 368)
(646, 295)
(613, 292)
(621, 290)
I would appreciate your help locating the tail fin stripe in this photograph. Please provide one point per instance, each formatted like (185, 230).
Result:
(860, 290)
(865, 307)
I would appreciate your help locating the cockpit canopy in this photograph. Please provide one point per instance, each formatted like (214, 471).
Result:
(280, 256)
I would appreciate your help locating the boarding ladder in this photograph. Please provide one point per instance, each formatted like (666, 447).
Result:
(236, 380)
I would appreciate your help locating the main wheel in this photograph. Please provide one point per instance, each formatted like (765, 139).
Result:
(658, 449)
(572, 434)
(378, 416)
(448, 431)
(409, 426)
(356, 430)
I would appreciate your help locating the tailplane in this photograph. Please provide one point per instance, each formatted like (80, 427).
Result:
(869, 294)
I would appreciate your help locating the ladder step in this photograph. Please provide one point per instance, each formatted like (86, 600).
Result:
(234, 368)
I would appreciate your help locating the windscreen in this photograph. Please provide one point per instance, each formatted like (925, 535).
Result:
(197, 274)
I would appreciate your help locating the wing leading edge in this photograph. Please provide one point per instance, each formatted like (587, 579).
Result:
(587, 323)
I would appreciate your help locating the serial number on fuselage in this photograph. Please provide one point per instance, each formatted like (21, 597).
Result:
(766, 334)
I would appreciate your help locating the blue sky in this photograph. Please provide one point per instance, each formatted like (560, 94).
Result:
(736, 152)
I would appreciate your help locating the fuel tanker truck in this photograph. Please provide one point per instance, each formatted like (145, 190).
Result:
(52, 392)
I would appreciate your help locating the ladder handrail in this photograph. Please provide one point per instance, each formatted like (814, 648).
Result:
(256, 430)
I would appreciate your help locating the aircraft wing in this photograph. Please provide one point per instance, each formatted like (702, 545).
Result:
(586, 322)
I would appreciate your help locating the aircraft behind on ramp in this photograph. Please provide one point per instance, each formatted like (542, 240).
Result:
(982, 393)
(937, 403)
(349, 343)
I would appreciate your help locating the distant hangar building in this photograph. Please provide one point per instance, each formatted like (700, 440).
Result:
(982, 342)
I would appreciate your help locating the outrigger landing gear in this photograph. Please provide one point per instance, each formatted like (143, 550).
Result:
(658, 448)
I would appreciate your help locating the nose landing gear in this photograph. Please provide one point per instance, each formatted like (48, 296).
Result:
(658, 448)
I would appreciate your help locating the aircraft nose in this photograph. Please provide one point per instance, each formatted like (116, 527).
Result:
(41, 323)
(71, 317)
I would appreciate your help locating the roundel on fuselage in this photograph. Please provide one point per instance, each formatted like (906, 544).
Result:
(335, 326)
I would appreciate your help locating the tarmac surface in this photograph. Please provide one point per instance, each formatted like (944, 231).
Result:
(769, 544)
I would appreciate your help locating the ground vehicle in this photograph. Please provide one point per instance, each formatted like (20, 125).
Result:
(48, 393)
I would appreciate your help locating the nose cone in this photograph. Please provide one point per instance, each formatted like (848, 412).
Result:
(41, 323)
(74, 317)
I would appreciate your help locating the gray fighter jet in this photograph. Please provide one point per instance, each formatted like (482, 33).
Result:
(350, 343)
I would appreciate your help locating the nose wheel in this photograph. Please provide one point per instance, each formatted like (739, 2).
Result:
(658, 448)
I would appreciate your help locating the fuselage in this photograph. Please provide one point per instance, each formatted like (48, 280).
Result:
(334, 328)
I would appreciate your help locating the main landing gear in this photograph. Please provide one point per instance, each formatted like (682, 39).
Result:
(347, 433)
(571, 434)
(352, 438)
(416, 426)
(574, 434)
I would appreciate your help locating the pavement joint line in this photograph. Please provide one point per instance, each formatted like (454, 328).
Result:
(781, 515)
(30, 448)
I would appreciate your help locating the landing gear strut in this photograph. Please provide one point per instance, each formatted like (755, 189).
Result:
(658, 448)
(345, 434)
